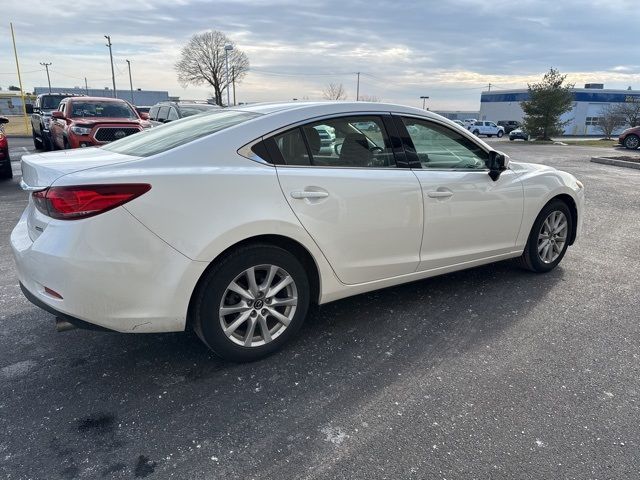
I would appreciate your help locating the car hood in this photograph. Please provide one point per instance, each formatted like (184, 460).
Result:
(41, 170)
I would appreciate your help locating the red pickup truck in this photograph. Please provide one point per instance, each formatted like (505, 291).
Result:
(90, 121)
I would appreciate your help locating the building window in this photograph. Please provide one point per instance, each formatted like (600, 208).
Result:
(592, 121)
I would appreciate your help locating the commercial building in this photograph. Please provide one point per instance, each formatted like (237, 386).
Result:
(140, 97)
(582, 119)
(458, 114)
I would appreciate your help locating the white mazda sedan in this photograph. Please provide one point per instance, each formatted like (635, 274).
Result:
(233, 222)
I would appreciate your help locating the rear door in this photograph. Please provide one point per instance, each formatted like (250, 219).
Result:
(362, 210)
(467, 216)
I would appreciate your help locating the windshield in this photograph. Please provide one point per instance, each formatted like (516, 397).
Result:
(189, 110)
(51, 102)
(102, 110)
(171, 135)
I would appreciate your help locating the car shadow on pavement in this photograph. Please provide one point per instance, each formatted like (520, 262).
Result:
(106, 396)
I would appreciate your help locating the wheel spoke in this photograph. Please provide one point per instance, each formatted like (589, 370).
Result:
(282, 302)
(264, 329)
(543, 244)
(278, 316)
(234, 287)
(272, 273)
(251, 281)
(281, 284)
(238, 308)
(250, 329)
(545, 252)
(236, 323)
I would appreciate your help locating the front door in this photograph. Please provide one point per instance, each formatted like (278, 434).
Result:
(340, 178)
(468, 216)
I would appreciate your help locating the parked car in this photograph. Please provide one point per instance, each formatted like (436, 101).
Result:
(165, 112)
(41, 118)
(630, 138)
(508, 125)
(469, 121)
(5, 160)
(518, 133)
(90, 121)
(141, 110)
(233, 222)
(486, 128)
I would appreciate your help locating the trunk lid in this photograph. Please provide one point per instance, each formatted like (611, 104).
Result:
(41, 170)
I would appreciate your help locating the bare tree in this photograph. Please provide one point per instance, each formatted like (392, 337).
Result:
(202, 61)
(369, 98)
(334, 91)
(630, 111)
(610, 120)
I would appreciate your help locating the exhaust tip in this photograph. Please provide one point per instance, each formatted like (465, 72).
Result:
(62, 325)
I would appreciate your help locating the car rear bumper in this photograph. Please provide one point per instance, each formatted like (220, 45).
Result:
(110, 271)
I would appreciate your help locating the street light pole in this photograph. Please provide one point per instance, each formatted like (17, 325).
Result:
(358, 88)
(424, 101)
(46, 65)
(130, 81)
(113, 74)
(227, 49)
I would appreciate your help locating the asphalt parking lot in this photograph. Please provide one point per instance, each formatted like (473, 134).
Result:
(489, 373)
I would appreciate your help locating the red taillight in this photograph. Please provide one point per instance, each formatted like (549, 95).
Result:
(72, 203)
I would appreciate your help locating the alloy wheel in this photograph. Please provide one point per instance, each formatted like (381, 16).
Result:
(552, 236)
(258, 305)
(631, 142)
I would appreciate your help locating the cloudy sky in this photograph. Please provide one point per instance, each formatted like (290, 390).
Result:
(449, 50)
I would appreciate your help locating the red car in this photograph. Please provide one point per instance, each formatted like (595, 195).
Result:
(90, 121)
(630, 138)
(5, 161)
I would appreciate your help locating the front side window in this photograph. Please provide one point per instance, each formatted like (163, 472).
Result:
(173, 114)
(163, 113)
(165, 137)
(153, 113)
(358, 141)
(439, 147)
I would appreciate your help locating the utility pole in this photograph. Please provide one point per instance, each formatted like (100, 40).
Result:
(46, 65)
(233, 79)
(24, 105)
(113, 74)
(358, 88)
(424, 101)
(130, 81)
(489, 87)
(86, 86)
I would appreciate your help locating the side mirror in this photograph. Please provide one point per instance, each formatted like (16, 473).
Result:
(29, 108)
(144, 115)
(4, 120)
(57, 114)
(498, 162)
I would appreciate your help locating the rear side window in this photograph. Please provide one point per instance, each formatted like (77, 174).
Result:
(163, 113)
(153, 113)
(171, 135)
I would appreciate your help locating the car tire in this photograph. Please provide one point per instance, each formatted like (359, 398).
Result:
(65, 144)
(511, 139)
(37, 142)
(500, 133)
(46, 143)
(632, 142)
(489, 136)
(228, 335)
(476, 133)
(537, 256)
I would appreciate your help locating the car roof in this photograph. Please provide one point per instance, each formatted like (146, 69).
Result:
(329, 107)
(98, 99)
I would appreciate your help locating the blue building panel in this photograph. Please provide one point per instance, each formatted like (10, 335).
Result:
(591, 97)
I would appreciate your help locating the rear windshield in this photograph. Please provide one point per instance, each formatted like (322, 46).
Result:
(189, 110)
(171, 135)
(51, 102)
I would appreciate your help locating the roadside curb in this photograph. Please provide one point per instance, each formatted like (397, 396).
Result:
(615, 162)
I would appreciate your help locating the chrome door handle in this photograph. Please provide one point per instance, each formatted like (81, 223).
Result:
(308, 194)
(439, 194)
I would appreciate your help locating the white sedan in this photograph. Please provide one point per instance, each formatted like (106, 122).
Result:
(233, 222)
